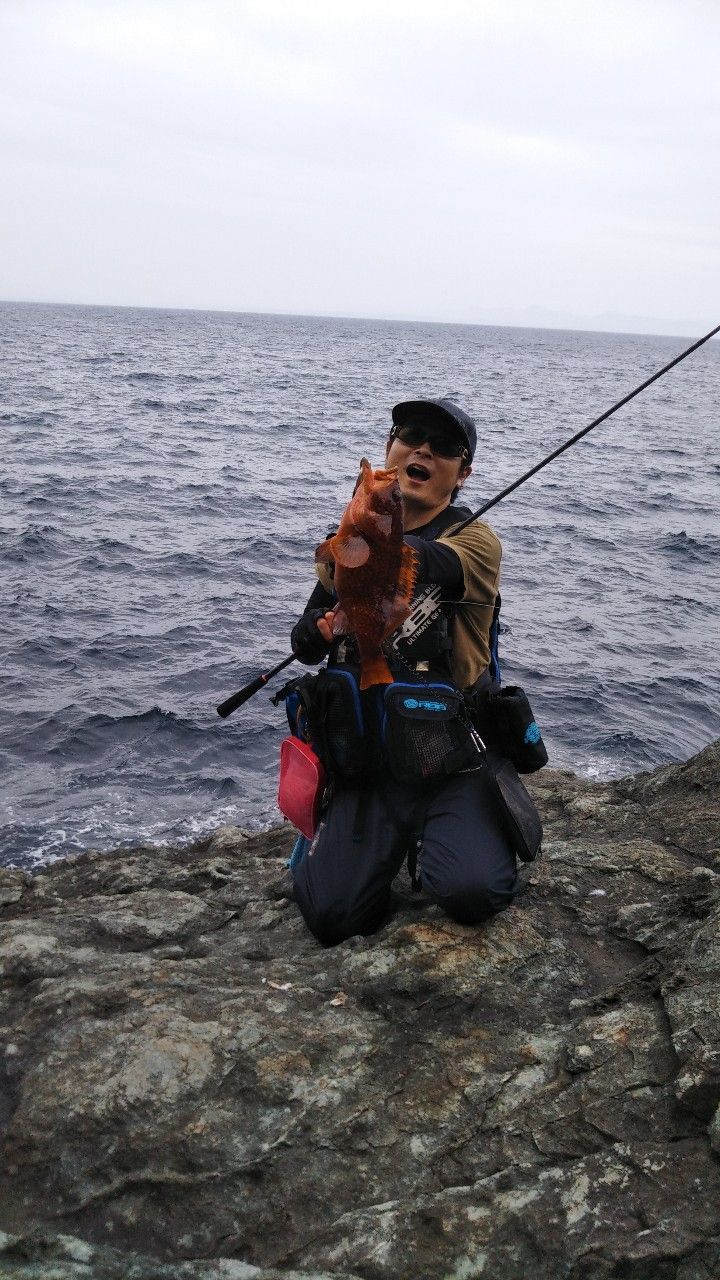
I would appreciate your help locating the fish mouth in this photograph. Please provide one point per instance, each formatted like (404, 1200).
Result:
(417, 472)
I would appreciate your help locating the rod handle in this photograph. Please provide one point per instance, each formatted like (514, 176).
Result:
(231, 704)
(236, 700)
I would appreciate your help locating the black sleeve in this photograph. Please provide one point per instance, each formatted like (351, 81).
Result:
(438, 564)
(305, 640)
(321, 598)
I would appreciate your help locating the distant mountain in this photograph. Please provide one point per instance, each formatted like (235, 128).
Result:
(604, 321)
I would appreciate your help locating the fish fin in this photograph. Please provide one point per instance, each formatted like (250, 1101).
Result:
(374, 670)
(340, 626)
(351, 552)
(324, 553)
(407, 578)
(404, 591)
(365, 476)
(396, 615)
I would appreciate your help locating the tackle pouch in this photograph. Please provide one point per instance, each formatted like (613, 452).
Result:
(426, 732)
(521, 818)
(337, 722)
(514, 729)
(301, 786)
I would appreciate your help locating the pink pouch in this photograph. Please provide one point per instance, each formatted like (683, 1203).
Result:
(301, 786)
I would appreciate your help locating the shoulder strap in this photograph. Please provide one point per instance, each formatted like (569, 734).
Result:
(494, 634)
(444, 520)
(411, 828)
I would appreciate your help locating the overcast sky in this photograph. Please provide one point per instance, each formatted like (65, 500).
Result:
(507, 161)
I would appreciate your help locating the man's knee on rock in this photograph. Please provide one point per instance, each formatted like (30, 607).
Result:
(474, 900)
(332, 923)
(330, 927)
(473, 909)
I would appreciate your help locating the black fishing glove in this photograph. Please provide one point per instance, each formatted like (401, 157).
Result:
(305, 640)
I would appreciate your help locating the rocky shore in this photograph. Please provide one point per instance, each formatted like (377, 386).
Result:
(192, 1089)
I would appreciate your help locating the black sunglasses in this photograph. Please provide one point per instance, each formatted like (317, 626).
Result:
(440, 442)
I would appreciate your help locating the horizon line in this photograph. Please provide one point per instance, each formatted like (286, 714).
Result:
(326, 315)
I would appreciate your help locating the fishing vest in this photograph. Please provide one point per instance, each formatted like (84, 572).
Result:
(422, 727)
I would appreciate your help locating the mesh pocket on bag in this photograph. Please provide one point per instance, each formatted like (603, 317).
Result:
(341, 733)
(426, 734)
(337, 723)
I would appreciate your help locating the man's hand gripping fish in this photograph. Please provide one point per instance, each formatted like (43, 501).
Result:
(374, 571)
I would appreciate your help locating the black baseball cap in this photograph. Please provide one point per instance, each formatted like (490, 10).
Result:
(440, 413)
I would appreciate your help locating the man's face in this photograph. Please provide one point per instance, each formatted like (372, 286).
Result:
(426, 478)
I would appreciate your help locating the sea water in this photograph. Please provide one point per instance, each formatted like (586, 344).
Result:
(166, 476)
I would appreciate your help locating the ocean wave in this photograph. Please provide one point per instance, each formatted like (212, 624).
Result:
(69, 738)
(685, 547)
(692, 605)
(144, 376)
(94, 563)
(203, 405)
(579, 625)
(183, 562)
(34, 845)
(34, 541)
(23, 419)
(198, 783)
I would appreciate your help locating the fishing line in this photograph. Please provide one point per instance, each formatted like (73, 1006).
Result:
(579, 434)
(231, 704)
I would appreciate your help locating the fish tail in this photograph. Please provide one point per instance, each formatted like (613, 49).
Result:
(374, 670)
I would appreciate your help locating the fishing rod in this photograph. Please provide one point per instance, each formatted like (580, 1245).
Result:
(579, 434)
(236, 700)
(231, 704)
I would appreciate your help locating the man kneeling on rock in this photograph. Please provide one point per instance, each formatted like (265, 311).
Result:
(409, 776)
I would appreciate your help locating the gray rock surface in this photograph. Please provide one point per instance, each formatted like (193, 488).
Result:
(191, 1087)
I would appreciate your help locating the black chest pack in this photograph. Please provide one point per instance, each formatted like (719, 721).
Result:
(418, 729)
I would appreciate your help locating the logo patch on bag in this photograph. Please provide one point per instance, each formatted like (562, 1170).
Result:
(424, 704)
(532, 733)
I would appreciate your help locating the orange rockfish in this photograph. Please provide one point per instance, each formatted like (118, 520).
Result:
(374, 571)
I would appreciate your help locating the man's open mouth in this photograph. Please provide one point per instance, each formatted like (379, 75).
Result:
(416, 472)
